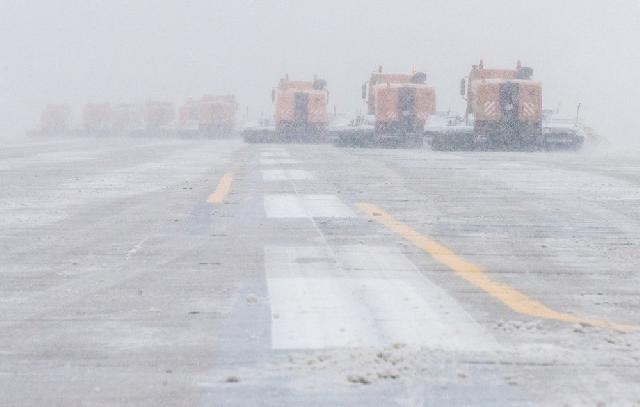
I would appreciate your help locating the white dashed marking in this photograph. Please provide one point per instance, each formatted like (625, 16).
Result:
(278, 161)
(305, 206)
(282, 175)
(274, 154)
(362, 296)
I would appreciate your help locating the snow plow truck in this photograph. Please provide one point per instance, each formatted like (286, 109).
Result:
(55, 120)
(159, 119)
(127, 119)
(97, 119)
(398, 106)
(300, 114)
(210, 116)
(504, 112)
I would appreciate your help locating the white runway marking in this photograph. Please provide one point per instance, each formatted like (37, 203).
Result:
(278, 161)
(282, 175)
(268, 154)
(364, 296)
(305, 206)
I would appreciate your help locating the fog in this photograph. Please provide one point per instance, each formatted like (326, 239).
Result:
(130, 51)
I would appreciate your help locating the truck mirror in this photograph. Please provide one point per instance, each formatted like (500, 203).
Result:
(525, 72)
(463, 87)
(273, 95)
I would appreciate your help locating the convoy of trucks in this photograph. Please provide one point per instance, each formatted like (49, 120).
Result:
(504, 112)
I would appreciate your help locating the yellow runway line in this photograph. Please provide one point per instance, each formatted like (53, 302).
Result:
(222, 190)
(511, 297)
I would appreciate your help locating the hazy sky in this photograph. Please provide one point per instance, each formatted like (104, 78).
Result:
(129, 51)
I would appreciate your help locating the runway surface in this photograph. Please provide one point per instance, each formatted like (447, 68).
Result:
(217, 273)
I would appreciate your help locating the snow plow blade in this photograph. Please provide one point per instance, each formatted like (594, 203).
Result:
(271, 135)
(368, 138)
(351, 137)
(453, 139)
(463, 138)
(259, 135)
(559, 138)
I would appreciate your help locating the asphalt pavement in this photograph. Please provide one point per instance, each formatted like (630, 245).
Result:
(167, 272)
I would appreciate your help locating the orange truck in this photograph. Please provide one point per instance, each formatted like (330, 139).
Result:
(301, 110)
(211, 116)
(300, 114)
(127, 118)
(505, 107)
(218, 114)
(55, 119)
(97, 118)
(399, 104)
(158, 117)
(189, 116)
